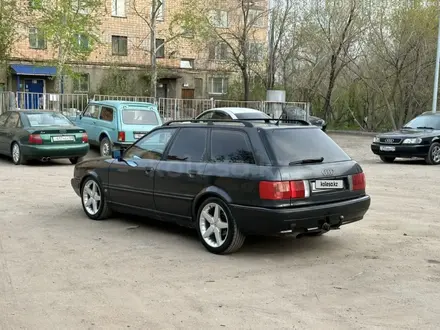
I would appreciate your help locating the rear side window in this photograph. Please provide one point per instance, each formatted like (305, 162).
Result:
(139, 117)
(189, 145)
(252, 115)
(228, 146)
(106, 114)
(293, 144)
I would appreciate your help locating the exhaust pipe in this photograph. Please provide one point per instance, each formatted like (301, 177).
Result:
(45, 159)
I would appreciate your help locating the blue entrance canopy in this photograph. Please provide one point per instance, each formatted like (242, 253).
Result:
(33, 70)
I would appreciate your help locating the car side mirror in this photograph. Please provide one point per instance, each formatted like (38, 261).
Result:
(117, 154)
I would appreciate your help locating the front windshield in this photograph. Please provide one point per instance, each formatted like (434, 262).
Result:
(47, 119)
(426, 121)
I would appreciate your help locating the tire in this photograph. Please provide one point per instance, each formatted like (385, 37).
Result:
(230, 236)
(105, 147)
(99, 211)
(433, 157)
(387, 159)
(75, 160)
(17, 156)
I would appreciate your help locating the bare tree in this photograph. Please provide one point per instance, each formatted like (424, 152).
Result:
(179, 26)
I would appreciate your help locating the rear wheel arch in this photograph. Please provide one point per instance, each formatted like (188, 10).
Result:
(103, 135)
(207, 193)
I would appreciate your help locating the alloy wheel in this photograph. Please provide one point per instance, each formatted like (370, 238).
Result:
(214, 225)
(15, 153)
(435, 153)
(91, 197)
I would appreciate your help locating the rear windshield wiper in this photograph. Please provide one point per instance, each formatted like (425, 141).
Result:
(425, 127)
(307, 161)
(408, 127)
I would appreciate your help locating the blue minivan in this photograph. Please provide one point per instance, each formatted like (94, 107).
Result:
(117, 124)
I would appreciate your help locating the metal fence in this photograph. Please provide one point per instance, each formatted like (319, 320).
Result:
(298, 110)
(100, 97)
(51, 101)
(175, 109)
(7, 101)
(169, 108)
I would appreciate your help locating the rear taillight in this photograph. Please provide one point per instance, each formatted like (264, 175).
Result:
(35, 139)
(121, 136)
(85, 138)
(358, 181)
(279, 190)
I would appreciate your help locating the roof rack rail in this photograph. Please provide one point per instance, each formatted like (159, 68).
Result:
(209, 121)
(246, 122)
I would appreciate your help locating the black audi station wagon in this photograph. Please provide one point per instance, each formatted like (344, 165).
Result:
(229, 179)
(419, 138)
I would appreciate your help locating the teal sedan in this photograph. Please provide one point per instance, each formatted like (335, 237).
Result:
(41, 135)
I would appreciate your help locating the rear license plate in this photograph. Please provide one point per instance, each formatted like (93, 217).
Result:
(329, 184)
(63, 138)
(138, 136)
(387, 148)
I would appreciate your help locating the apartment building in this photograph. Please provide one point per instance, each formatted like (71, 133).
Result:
(121, 59)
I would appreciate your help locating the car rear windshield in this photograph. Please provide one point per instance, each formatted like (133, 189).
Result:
(296, 144)
(251, 115)
(47, 119)
(139, 117)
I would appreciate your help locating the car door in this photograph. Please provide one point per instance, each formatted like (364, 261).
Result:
(179, 177)
(107, 122)
(88, 120)
(131, 179)
(4, 148)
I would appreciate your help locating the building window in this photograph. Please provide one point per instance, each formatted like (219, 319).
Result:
(118, 8)
(187, 63)
(119, 45)
(83, 42)
(81, 83)
(256, 51)
(218, 85)
(218, 51)
(36, 39)
(160, 48)
(255, 17)
(160, 13)
(218, 18)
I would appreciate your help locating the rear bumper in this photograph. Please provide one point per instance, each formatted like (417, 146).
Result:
(55, 151)
(403, 151)
(263, 221)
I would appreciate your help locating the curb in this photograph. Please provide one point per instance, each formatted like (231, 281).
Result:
(352, 132)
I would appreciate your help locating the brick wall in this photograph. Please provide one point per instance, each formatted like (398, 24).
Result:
(135, 28)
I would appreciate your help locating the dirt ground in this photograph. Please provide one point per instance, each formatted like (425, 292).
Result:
(59, 270)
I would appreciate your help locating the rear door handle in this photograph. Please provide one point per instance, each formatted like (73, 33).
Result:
(148, 170)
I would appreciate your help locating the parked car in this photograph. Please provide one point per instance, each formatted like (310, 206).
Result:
(419, 138)
(231, 113)
(298, 113)
(117, 124)
(44, 135)
(228, 181)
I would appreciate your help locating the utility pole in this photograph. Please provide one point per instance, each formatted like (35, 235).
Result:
(437, 62)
